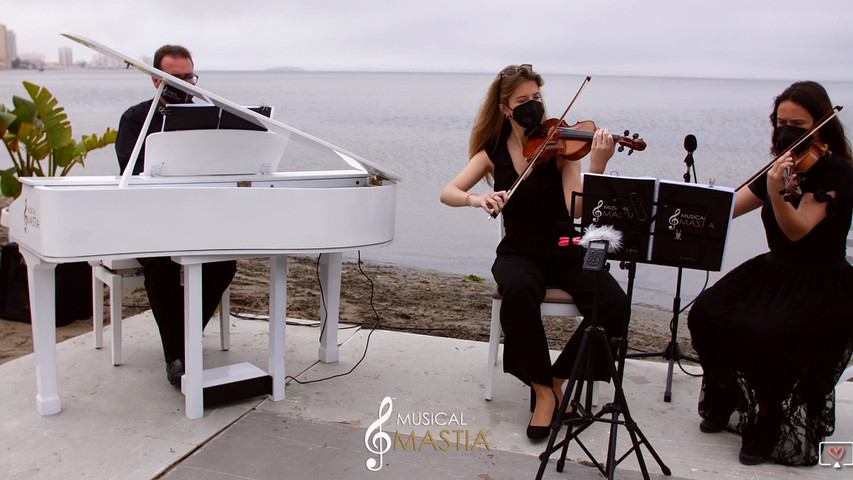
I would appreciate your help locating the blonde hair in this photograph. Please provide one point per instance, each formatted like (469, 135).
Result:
(487, 126)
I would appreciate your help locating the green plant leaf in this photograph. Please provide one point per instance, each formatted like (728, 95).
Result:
(63, 157)
(25, 112)
(34, 141)
(10, 186)
(6, 119)
(56, 123)
(92, 142)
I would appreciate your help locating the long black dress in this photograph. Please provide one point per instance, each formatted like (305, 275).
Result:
(529, 260)
(780, 326)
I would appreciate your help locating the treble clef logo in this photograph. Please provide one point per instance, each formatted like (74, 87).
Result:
(673, 220)
(377, 441)
(596, 212)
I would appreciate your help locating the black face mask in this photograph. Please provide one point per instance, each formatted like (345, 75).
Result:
(787, 135)
(529, 114)
(173, 95)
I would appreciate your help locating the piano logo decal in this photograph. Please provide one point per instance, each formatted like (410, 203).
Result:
(31, 219)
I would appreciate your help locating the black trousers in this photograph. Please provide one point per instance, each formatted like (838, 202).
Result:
(166, 297)
(522, 281)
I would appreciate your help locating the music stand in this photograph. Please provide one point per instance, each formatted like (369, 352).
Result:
(690, 232)
(628, 211)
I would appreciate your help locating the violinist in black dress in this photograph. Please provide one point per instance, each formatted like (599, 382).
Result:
(775, 333)
(527, 259)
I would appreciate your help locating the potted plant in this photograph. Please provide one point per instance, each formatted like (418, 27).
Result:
(37, 134)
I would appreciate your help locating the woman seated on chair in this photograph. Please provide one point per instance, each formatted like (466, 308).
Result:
(527, 258)
(774, 334)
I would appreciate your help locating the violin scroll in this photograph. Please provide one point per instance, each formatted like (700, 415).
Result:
(633, 143)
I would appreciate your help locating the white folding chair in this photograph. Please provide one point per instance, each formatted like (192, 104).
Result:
(121, 274)
(557, 302)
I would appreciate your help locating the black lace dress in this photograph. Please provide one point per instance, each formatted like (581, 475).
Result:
(780, 326)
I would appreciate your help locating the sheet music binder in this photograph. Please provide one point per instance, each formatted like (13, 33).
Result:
(691, 225)
(669, 223)
(625, 203)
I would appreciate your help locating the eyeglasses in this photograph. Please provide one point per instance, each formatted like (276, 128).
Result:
(190, 78)
(513, 71)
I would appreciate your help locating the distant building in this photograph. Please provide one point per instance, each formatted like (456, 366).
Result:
(32, 60)
(66, 57)
(11, 44)
(102, 61)
(5, 60)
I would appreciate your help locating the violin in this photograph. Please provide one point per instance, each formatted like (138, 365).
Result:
(571, 141)
(802, 163)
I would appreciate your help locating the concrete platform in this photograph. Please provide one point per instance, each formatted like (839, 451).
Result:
(127, 422)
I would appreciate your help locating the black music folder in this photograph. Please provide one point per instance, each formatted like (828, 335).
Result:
(666, 223)
(193, 116)
(691, 225)
(625, 203)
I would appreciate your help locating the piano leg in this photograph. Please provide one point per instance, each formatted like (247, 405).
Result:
(192, 381)
(330, 283)
(42, 285)
(278, 319)
(97, 306)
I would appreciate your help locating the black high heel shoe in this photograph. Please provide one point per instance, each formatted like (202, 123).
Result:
(537, 432)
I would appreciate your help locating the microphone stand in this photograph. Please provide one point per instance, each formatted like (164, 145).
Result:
(673, 352)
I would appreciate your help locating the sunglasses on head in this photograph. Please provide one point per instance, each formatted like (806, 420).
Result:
(513, 71)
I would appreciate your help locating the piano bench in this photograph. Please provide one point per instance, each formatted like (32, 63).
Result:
(127, 273)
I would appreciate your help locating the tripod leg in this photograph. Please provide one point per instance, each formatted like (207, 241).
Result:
(621, 406)
(572, 395)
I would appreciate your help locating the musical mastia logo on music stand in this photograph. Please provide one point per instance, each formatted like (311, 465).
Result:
(836, 454)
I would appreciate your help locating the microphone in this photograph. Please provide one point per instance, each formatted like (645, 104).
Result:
(690, 146)
(690, 143)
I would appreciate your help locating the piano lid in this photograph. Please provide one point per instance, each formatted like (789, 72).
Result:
(299, 136)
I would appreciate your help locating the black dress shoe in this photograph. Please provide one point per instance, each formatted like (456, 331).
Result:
(715, 422)
(759, 440)
(174, 371)
(535, 432)
(707, 426)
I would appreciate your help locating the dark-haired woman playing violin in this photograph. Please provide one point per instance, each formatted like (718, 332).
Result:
(527, 259)
(774, 334)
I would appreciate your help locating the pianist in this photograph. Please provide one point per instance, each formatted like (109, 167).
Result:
(162, 275)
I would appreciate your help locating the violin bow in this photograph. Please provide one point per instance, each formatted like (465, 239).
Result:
(532, 163)
(823, 121)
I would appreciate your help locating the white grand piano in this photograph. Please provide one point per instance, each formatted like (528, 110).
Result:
(197, 219)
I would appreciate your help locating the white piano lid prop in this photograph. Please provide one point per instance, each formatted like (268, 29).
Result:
(355, 161)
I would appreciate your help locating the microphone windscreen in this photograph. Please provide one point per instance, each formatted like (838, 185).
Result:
(690, 143)
(602, 232)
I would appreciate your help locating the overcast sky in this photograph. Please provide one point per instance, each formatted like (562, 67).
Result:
(790, 39)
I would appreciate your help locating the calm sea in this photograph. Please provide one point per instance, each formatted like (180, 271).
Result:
(417, 125)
